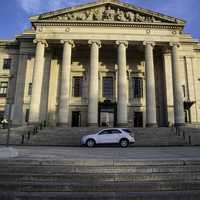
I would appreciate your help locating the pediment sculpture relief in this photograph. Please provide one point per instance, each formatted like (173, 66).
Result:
(106, 14)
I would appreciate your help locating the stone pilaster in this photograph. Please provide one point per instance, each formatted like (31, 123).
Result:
(151, 120)
(179, 118)
(122, 99)
(37, 81)
(93, 83)
(63, 113)
(20, 88)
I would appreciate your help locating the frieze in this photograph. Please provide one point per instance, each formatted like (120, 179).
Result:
(107, 13)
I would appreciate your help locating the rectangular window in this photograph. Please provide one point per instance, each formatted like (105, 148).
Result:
(27, 115)
(137, 87)
(7, 63)
(30, 89)
(77, 86)
(108, 87)
(3, 89)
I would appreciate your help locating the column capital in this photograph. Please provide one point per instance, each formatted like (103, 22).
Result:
(152, 43)
(174, 44)
(125, 43)
(35, 41)
(71, 42)
(98, 42)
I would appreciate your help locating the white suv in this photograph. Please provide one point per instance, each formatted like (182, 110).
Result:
(119, 136)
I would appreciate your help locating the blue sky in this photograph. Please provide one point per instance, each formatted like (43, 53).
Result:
(15, 13)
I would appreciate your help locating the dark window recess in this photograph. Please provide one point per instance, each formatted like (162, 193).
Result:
(27, 115)
(108, 87)
(3, 89)
(76, 118)
(7, 63)
(77, 86)
(137, 87)
(138, 119)
(30, 89)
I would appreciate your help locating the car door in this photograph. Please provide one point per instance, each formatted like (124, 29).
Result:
(105, 136)
(116, 135)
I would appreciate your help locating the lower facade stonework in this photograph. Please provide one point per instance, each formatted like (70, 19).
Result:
(125, 67)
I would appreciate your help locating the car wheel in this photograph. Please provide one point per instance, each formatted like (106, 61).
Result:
(90, 143)
(124, 143)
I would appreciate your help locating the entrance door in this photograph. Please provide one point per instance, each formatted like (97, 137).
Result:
(138, 119)
(107, 114)
(76, 118)
(107, 118)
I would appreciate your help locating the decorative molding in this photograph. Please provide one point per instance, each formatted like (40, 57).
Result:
(119, 42)
(41, 41)
(98, 42)
(71, 42)
(107, 13)
(174, 44)
(110, 24)
(152, 43)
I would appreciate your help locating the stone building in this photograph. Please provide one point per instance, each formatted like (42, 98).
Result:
(103, 63)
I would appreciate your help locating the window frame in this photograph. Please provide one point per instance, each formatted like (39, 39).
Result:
(7, 63)
(137, 87)
(4, 89)
(109, 96)
(77, 92)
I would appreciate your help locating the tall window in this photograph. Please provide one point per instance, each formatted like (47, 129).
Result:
(30, 89)
(108, 87)
(3, 89)
(77, 86)
(137, 87)
(7, 63)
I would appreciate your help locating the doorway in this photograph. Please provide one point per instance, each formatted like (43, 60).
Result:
(107, 114)
(76, 118)
(138, 119)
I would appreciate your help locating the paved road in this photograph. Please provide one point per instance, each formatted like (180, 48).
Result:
(133, 153)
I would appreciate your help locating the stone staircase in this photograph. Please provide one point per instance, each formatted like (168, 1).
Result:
(71, 137)
(46, 179)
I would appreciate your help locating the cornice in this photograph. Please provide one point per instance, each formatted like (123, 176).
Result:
(110, 24)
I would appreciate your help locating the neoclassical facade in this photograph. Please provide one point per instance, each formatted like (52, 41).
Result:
(106, 63)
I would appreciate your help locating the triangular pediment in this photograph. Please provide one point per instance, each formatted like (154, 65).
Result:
(107, 11)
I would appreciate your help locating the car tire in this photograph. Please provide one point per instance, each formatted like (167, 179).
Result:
(124, 143)
(90, 143)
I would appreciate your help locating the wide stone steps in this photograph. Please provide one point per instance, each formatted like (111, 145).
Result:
(98, 186)
(119, 177)
(47, 179)
(72, 137)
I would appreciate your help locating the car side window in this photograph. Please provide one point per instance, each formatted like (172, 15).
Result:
(115, 131)
(104, 132)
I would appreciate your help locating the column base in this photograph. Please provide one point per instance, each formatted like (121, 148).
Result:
(92, 124)
(122, 125)
(179, 124)
(151, 125)
(63, 124)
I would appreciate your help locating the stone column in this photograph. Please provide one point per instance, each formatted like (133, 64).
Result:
(93, 84)
(19, 90)
(37, 81)
(151, 120)
(179, 118)
(63, 113)
(122, 99)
